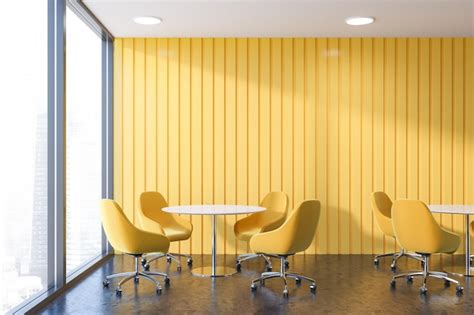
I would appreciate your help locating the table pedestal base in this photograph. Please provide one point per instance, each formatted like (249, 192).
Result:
(206, 271)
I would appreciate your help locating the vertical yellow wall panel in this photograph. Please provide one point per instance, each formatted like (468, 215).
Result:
(287, 120)
(139, 119)
(185, 129)
(196, 141)
(174, 130)
(230, 140)
(458, 127)
(298, 122)
(162, 116)
(310, 126)
(446, 130)
(412, 118)
(128, 175)
(378, 122)
(344, 155)
(242, 130)
(322, 143)
(363, 236)
(333, 146)
(228, 120)
(208, 136)
(276, 114)
(264, 115)
(355, 136)
(219, 136)
(150, 114)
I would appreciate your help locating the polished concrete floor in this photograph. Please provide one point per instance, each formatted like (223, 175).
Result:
(345, 285)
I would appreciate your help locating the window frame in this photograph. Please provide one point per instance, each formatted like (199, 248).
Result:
(57, 280)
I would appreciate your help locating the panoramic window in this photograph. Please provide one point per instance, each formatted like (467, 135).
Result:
(23, 161)
(83, 143)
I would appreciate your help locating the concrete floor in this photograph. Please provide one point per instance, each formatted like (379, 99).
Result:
(346, 285)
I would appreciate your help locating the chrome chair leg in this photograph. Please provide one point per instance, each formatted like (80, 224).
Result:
(397, 256)
(135, 275)
(425, 274)
(283, 275)
(169, 257)
(243, 257)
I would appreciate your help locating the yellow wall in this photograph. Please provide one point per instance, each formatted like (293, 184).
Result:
(228, 120)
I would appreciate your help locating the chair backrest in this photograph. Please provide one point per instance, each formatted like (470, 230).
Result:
(276, 203)
(151, 205)
(126, 237)
(116, 225)
(415, 227)
(382, 208)
(300, 226)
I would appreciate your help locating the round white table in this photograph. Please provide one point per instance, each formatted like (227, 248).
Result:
(465, 210)
(214, 210)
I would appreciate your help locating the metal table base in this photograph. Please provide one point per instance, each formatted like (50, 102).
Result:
(213, 271)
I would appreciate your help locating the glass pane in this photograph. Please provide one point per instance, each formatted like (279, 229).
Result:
(83, 143)
(23, 157)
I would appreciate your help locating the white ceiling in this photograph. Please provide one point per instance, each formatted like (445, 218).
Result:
(288, 18)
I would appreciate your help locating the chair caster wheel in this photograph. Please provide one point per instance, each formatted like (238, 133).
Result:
(167, 281)
(298, 280)
(268, 268)
(118, 292)
(423, 290)
(285, 293)
(376, 262)
(178, 268)
(106, 283)
(253, 287)
(238, 266)
(410, 279)
(287, 264)
(136, 280)
(143, 262)
(168, 260)
(158, 290)
(459, 289)
(393, 267)
(447, 283)
(190, 261)
(312, 287)
(146, 267)
(393, 283)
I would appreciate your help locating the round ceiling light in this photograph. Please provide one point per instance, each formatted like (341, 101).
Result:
(360, 20)
(147, 20)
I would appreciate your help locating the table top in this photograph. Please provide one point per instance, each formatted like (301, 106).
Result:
(213, 209)
(453, 209)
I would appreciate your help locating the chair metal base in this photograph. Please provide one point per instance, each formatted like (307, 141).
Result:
(283, 275)
(146, 260)
(135, 275)
(425, 274)
(396, 257)
(268, 263)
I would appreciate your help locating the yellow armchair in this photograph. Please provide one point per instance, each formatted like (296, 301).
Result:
(151, 217)
(276, 205)
(129, 239)
(417, 230)
(295, 235)
(382, 209)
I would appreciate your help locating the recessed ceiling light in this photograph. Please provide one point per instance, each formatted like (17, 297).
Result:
(147, 20)
(360, 20)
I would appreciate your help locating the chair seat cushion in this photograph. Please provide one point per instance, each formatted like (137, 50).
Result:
(245, 234)
(177, 233)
